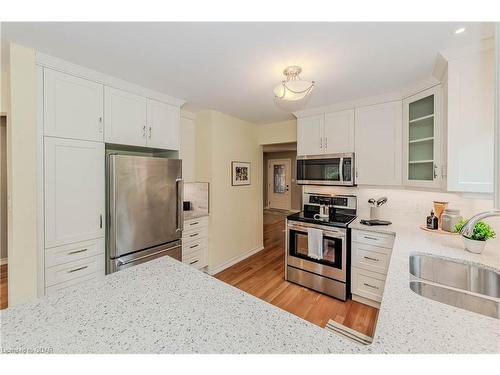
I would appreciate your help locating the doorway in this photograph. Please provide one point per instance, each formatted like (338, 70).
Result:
(279, 180)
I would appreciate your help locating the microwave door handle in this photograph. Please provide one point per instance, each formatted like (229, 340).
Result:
(341, 170)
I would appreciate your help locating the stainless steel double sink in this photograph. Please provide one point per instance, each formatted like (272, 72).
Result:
(463, 285)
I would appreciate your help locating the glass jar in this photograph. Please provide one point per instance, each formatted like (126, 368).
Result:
(449, 219)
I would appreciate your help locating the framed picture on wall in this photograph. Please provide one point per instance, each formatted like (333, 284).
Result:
(240, 173)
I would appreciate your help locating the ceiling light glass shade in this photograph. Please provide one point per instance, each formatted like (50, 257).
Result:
(293, 92)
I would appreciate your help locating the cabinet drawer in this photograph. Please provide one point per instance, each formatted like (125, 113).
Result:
(72, 270)
(372, 238)
(192, 247)
(75, 281)
(195, 224)
(74, 251)
(367, 284)
(194, 235)
(371, 258)
(197, 259)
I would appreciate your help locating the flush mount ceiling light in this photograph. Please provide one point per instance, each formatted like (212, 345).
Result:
(460, 30)
(293, 89)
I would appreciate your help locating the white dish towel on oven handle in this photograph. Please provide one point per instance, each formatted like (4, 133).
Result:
(315, 243)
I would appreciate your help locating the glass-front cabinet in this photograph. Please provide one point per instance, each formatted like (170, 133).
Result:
(422, 138)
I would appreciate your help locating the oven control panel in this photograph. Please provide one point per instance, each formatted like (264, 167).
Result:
(340, 201)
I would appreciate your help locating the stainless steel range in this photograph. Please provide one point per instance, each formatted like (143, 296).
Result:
(318, 244)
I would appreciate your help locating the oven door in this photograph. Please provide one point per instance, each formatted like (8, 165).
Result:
(333, 264)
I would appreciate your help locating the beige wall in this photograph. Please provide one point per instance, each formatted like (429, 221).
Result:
(277, 132)
(187, 151)
(295, 189)
(235, 216)
(21, 176)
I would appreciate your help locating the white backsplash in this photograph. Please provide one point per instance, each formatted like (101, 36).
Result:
(411, 203)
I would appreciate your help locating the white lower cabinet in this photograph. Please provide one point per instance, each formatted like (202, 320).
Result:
(371, 254)
(195, 242)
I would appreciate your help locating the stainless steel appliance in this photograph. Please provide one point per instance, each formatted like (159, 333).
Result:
(144, 210)
(335, 169)
(330, 274)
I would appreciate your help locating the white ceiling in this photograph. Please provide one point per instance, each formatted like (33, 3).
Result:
(233, 67)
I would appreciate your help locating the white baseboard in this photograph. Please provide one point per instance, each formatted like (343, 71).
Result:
(233, 261)
(3, 261)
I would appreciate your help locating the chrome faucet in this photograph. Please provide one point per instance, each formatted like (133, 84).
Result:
(468, 228)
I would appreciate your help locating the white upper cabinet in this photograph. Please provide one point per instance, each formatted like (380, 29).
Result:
(338, 134)
(471, 80)
(163, 125)
(125, 117)
(74, 191)
(422, 139)
(73, 107)
(309, 135)
(378, 148)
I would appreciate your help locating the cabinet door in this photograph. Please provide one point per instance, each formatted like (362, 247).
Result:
(309, 135)
(124, 117)
(338, 136)
(163, 125)
(471, 128)
(422, 139)
(378, 144)
(73, 107)
(74, 191)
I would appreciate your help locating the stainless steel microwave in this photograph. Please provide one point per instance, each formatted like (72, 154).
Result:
(334, 169)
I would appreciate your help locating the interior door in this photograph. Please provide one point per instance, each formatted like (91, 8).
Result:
(74, 193)
(144, 193)
(73, 107)
(163, 125)
(309, 135)
(125, 117)
(279, 180)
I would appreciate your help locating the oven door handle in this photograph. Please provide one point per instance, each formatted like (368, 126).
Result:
(326, 233)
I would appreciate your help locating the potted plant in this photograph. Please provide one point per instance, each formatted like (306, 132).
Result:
(476, 242)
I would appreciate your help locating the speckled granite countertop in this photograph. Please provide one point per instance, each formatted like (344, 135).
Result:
(408, 322)
(164, 306)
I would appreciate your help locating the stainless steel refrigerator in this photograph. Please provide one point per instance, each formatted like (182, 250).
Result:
(144, 210)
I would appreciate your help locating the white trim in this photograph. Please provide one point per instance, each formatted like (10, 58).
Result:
(4, 261)
(497, 117)
(231, 262)
(83, 72)
(188, 115)
(366, 301)
(40, 199)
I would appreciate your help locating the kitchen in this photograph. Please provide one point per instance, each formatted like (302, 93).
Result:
(150, 175)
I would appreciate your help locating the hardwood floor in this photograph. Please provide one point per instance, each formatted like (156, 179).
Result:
(262, 275)
(3, 286)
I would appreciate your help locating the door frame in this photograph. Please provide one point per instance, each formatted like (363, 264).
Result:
(270, 179)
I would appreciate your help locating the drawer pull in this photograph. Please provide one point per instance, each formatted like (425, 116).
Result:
(371, 238)
(196, 222)
(192, 247)
(77, 251)
(193, 235)
(370, 286)
(370, 258)
(77, 269)
(194, 261)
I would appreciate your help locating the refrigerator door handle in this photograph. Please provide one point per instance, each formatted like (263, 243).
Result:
(122, 263)
(179, 182)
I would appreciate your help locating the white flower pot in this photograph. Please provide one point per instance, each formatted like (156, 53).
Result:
(474, 246)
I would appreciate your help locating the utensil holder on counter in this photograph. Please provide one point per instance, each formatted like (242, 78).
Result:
(374, 213)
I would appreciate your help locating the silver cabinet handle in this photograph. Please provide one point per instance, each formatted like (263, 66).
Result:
(371, 238)
(192, 247)
(100, 125)
(370, 286)
(326, 142)
(370, 258)
(78, 269)
(321, 142)
(150, 131)
(144, 131)
(194, 223)
(77, 251)
(193, 235)
(194, 261)
(435, 170)
(100, 221)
